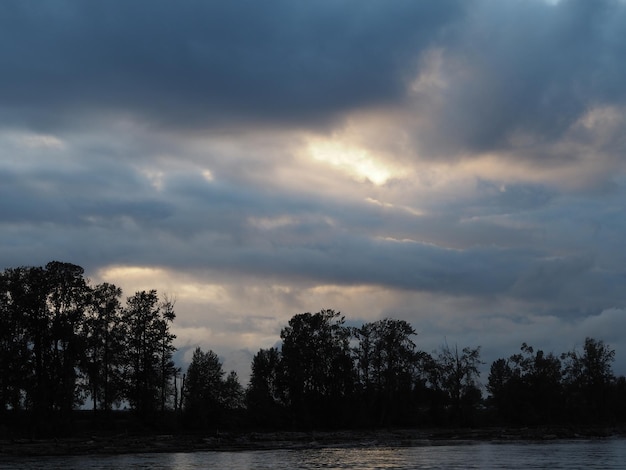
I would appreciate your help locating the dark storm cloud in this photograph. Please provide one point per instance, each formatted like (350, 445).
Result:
(194, 62)
(518, 73)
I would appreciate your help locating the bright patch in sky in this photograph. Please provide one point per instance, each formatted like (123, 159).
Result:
(177, 286)
(207, 175)
(135, 275)
(358, 162)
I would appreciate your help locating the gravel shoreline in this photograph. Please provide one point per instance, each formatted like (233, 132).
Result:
(124, 444)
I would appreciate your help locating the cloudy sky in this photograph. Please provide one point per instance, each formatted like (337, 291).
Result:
(460, 164)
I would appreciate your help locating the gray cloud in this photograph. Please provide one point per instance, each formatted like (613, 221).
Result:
(520, 74)
(209, 63)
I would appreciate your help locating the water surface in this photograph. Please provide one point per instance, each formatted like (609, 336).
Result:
(592, 454)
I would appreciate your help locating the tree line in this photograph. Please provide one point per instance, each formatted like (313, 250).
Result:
(65, 343)
(330, 375)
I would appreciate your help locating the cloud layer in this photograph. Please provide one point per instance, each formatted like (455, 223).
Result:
(459, 164)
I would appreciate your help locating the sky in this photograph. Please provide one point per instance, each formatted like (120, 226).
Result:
(458, 164)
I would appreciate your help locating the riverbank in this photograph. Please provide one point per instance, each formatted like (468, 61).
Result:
(125, 444)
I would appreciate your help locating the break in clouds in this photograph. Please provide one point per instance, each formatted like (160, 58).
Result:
(458, 164)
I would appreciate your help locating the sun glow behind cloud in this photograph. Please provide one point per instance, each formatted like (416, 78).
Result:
(358, 162)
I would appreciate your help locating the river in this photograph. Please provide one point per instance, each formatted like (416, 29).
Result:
(600, 454)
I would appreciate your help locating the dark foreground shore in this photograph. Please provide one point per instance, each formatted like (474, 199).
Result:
(122, 444)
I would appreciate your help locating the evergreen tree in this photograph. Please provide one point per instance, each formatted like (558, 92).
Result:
(205, 392)
(263, 395)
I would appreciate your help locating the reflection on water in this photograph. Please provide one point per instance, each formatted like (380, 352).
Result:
(605, 454)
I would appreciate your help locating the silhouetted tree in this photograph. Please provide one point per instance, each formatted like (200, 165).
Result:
(30, 299)
(263, 396)
(15, 353)
(104, 336)
(499, 375)
(147, 348)
(540, 376)
(501, 389)
(67, 300)
(234, 395)
(317, 367)
(456, 374)
(527, 388)
(385, 364)
(428, 398)
(167, 368)
(204, 393)
(617, 402)
(589, 379)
